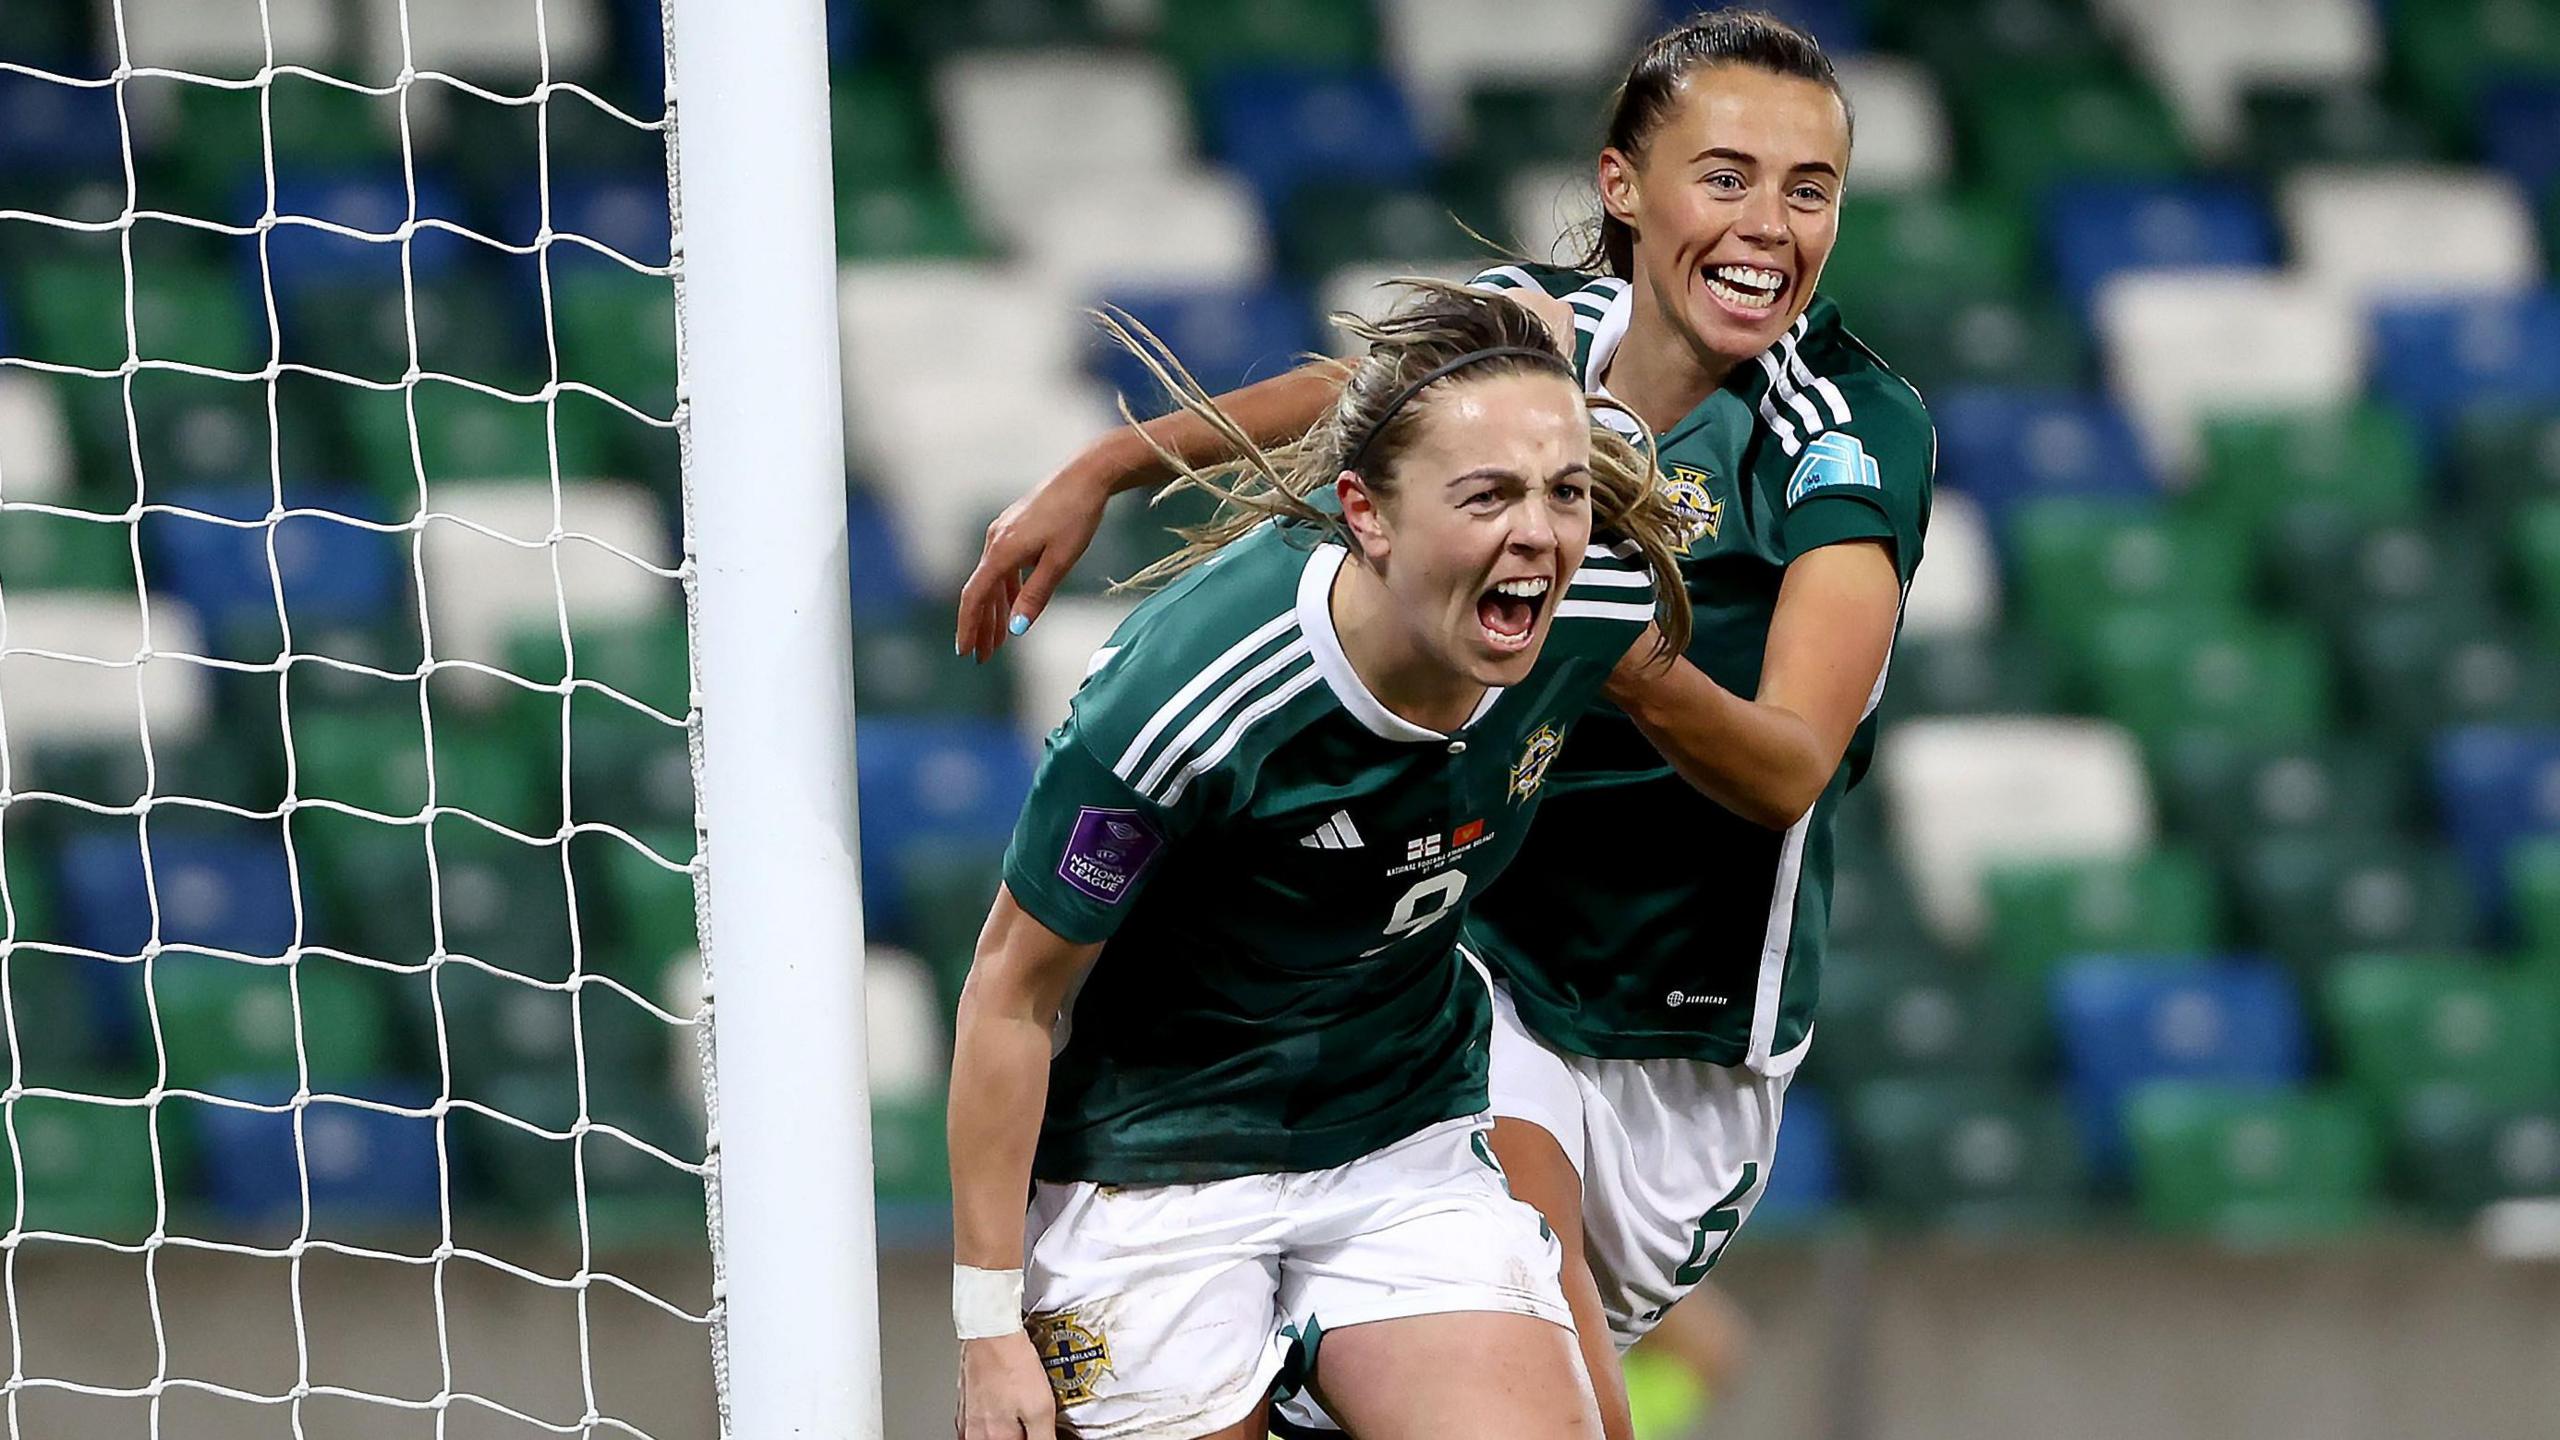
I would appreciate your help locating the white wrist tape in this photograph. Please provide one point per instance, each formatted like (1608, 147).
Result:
(985, 1303)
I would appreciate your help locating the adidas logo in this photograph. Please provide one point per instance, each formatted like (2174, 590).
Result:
(1337, 833)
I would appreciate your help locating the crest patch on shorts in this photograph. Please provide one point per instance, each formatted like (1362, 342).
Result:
(1076, 1356)
(1106, 851)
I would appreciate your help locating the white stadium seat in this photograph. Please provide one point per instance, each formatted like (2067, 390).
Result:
(996, 324)
(222, 37)
(1180, 227)
(2181, 345)
(1966, 795)
(951, 452)
(2206, 54)
(46, 699)
(1021, 127)
(2349, 229)
(35, 442)
(1957, 589)
(1547, 210)
(1902, 140)
(1363, 291)
(485, 40)
(1052, 658)
(1443, 48)
(902, 1016)
(481, 589)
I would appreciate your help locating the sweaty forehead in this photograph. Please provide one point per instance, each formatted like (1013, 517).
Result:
(1784, 120)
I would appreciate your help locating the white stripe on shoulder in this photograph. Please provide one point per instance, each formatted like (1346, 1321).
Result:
(1277, 626)
(1250, 716)
(1769, 415)
(1782, 383)
(1623, 550)
(1508, 277)
(1216, 710)
(1604, 610)
(1820, 384)
(1611, 579)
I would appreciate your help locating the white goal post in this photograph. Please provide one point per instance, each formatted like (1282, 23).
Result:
(764, 487)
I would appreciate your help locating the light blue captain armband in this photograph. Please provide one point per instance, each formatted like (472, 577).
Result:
(1835, 459)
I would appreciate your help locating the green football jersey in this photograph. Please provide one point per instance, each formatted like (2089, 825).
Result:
(1277, 866)
(1704, 938)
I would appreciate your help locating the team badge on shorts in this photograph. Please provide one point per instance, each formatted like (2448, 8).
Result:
(1530, 770)
(1076, 1356)
(1692, 496)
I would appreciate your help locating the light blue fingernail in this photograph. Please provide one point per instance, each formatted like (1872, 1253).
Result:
(1021, 623)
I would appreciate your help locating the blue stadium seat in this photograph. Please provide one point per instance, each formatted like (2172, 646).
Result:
(376, 203)
(1841, 25)
(883, 587)
(2519, 129)
(222, 884)
(2006, 446)
(48, 126)
(2125, 1021)
(1226, 337)
(2094, 229)
(627, 212)
(2495, 787)
(1280, 127)
(332, 572)
(366, 1167)
(933, 783)
(2437, 358)
(1804, 1181)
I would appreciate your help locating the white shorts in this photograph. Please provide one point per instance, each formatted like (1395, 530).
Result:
(1169, 1310)
(1673, 1155)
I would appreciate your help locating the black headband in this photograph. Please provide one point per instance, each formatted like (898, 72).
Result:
(1562, 366)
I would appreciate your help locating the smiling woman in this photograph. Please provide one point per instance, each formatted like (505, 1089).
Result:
(1234, 900)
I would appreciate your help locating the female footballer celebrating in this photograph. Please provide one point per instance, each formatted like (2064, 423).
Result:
(1234, 899)
(1655, 996)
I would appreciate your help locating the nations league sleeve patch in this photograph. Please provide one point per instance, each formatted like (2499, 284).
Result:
(1834, 459)
(1107, 851)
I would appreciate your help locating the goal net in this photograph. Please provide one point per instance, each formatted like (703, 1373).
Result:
(349, 850)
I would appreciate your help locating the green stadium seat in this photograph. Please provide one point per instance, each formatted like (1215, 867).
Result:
(2033, 128)
(2412, 673)
(626, 767)
(2362, 462)
(908, 1152)
(2330, 566)
(1888, 1016)
(2159, 673)
(60, 1040)
(907, 219)
(1938, 346)
(2077, 562)
(1965, 1154)
(1872, 907)
(939, 27)
(616, 330)
(2448, 52)
(2284, 126)
(2311, 897)
(192, 430)
(72, 312)
(2538, 567)
(461, 327)
(2162, 903)
(2398, 1022)
(374, 759)
(2251, 1167)
(464, 434)
(1986, 672)
(633, 1199)
(1328, 227)
(1207, 36)
(223, 1020)
(647, 660)
(2458, 1148)
(238, 765)
(87, 1167)
(643, 912)
(883, 126)
(2507, 457)
(2533, 871)
(496, 900)
(1942, 243)
(212, 151)
(42, 551)
(2226, 792)
(946, 893)
(907, 668)
(498, 1027)
(1512, 124)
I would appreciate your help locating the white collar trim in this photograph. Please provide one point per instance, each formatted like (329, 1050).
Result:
(1604, 341)
(1315, 621)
